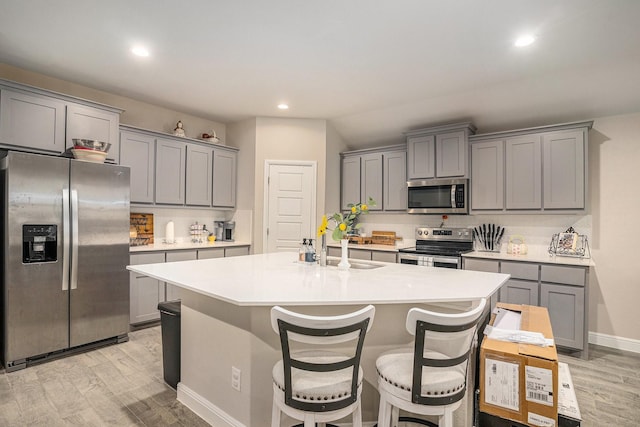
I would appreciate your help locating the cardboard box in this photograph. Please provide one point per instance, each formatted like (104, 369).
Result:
(519, 381)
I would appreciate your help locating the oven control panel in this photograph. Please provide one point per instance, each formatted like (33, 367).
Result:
(430, 233)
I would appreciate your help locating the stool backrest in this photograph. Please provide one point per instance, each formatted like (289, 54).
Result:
(451, 337)
(321, 331)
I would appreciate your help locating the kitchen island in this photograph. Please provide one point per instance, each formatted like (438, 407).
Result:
(226, 306)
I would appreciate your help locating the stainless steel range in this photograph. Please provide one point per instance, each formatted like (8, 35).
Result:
(438, 247)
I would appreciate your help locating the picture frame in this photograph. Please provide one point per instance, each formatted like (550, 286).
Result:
(567, 242)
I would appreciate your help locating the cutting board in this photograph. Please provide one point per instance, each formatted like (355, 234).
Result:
(143, 224)
(383, 237)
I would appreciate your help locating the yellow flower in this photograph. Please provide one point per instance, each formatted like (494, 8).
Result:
(342, 226)
(364, 207)
(323, 226)
(353, 209)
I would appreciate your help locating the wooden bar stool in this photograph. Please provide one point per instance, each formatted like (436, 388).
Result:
(322, 384)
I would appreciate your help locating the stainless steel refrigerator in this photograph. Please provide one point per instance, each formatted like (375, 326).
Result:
(65, 245)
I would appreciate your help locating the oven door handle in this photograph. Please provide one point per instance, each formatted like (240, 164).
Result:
(446, 260)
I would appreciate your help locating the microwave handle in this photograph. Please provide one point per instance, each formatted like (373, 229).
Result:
(453, 196)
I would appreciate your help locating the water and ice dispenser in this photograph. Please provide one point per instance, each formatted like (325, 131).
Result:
(39, 243)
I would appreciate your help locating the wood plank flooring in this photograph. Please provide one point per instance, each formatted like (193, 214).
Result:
(122, 385)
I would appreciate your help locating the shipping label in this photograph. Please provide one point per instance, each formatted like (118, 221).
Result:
(539, 385)
(539, 420)
(502, 384)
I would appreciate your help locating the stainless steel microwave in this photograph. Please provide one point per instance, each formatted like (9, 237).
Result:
(438, 196)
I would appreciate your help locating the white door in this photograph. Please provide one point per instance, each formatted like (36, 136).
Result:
(289, 204)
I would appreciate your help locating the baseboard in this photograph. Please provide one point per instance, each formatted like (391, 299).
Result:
(205, 409)
(612, 341)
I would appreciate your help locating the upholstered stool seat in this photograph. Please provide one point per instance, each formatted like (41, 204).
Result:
(311, 383)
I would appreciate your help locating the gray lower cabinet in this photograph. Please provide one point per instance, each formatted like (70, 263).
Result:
(32, 121)
(170, 172)
(145, 292)
(199, 175)
(137, 151)
(84, 122)
(211, 253)
(334, 252)
(562, 289)
(224, 178)
(236, 251)
(384, 256)
(487, 265)
(173, 292)
(364, 254)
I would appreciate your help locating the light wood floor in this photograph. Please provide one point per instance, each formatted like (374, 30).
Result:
(122, 385)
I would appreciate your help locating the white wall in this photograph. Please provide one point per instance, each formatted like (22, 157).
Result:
(287, 139)
(335, 145)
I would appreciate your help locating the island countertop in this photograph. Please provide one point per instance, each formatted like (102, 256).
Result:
(277, 279)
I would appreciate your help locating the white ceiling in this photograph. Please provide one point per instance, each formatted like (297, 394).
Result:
(373, 68)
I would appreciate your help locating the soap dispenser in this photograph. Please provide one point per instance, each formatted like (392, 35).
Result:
(302, 251)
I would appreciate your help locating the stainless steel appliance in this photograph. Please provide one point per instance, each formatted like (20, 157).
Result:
(65, 246)
(438, 196)
(438, 247)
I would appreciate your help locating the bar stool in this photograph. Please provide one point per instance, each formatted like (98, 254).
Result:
(431, 380)
(319, 385)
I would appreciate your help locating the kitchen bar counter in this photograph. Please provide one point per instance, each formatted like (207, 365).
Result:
(225, 322)
(185, 245)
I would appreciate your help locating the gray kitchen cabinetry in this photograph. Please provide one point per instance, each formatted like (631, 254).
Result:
(224, 178)
(364, 254)
(170, 172)
(173, 292)
(562, 289)
(439, 152)
(137, 151)
(31, 121)
(145, 291)
(394, 181)
(371, 179)
(236, 251)
(523, 286)
(211, 253)
(199, 175)
(350, 181)
(379, 173)
(84, 122)
(541, 169)
(43, 121)
(487, 175)
(487, 265)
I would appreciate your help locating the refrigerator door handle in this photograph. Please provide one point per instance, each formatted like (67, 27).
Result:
(74, 239)
(65, 239)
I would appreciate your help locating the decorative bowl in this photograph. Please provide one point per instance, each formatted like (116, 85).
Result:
(91, 144)
(89, 155)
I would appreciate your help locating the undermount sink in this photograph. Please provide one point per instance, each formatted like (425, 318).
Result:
(355, 265)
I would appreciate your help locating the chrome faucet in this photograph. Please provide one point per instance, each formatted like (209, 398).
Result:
(322, 259)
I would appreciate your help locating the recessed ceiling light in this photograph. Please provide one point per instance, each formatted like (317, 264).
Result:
(283, 106)
(140, 51)
(525, 40)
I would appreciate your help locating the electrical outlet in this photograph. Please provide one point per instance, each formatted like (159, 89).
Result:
(235, 378)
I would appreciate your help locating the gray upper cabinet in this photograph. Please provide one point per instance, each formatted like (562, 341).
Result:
(137, 151)
(199, 175)
(42, 121)
(224, 178)
(350, 181)
(85, 122)
(545, 169)
(32, 121)
(371, 180)
(170, 171)
(421, 154)
(564, 169)
(379, 173)
(487, 175)
(439, 152)
(394, 181)
(523, 172)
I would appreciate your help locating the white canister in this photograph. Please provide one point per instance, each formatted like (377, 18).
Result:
(169, 236)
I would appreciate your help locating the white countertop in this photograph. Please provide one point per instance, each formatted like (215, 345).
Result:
(277, 279)
(539, 254)
(185, 245)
